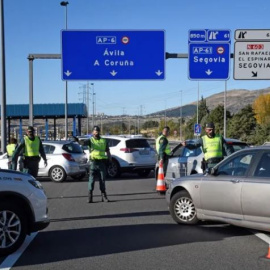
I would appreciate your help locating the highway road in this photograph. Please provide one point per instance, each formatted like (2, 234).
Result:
(133, 231)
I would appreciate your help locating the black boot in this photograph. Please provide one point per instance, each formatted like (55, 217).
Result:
(104, 197)
(90, 197)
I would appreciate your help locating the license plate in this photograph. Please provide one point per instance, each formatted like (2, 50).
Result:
(144, 152)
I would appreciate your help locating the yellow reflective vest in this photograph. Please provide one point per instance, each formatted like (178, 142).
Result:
(212, 147)
(167, 149)
(31, 147)
(10, 149)
(97, 149)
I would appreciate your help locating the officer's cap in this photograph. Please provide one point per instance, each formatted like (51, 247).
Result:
(30, 128)
(96, 128)
(210, 125)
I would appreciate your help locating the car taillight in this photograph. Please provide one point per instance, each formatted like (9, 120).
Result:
(68, 157)
(128, 150)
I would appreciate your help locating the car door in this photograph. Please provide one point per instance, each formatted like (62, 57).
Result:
(173, 169)
(256, 191)
(221, 193)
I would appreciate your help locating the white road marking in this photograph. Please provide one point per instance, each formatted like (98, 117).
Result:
(262, 236)
(12, 258)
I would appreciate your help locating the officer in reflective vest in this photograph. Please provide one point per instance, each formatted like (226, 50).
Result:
(163, 149)
(10, 151)
(31, 146)
(213, 145)
(99, 156)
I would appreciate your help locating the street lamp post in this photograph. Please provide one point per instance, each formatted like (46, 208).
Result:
(93, 102)
(64, 4)
(3, 79)
(180, 123)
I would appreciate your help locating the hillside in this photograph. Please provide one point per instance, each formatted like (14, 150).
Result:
(236, 100)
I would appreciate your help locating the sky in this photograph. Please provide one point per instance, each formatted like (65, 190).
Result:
(34, 26)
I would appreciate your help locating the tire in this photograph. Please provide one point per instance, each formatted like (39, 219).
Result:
(13, 226)
(57, 174)
(79, 176)
(182, 208)
(144, 173)
(113, 169)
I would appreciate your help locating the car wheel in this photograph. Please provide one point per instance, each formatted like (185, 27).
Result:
(58, 174)
(113, 169)
(182, 208)
(144, 173)
(13, 224)
(79, 176)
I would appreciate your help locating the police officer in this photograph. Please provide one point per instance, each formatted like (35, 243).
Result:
(31, 146)
(99, 156)
(213, 145)
(163, 149)
(10, 151)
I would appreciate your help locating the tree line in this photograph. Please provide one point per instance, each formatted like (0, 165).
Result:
(251, 124)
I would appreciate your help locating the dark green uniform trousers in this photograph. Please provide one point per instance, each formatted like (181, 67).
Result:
(31, 166)
(98, 168)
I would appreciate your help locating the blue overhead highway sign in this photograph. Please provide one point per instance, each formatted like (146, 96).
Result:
(209, 59)
(113, 55)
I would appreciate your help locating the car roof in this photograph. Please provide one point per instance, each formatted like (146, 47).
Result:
(59, 142)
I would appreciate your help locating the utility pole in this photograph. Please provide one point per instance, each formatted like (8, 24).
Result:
(3, 79)
(180, 124)
(65, 4)
(225, 108)
(93, 103)
(85, 100)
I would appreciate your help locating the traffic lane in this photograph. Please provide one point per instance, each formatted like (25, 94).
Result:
(135, 227)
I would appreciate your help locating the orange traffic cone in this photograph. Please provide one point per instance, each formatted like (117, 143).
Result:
(161, 187)
(267, 256)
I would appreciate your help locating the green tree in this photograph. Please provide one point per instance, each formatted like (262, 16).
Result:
(217, 117)
(261, 135)
(242, 125)
(203, 114)
(150, 124)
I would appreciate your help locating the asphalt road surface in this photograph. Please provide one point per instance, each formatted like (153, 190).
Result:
(133, 231)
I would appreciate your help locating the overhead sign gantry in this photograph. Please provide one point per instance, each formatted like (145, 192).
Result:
(113, 55)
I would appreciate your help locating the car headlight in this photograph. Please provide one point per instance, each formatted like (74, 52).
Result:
(36, 184)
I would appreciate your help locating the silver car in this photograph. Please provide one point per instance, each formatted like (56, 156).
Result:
(184, 161)
(65, 158)
(235, 191)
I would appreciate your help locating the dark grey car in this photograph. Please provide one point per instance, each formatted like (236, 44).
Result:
(236, 191)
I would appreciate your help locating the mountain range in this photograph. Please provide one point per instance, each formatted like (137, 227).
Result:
(236, 100)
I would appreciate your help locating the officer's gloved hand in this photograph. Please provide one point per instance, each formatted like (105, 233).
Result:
(45, 163)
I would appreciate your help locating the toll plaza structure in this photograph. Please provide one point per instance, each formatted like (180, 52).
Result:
(18, 113)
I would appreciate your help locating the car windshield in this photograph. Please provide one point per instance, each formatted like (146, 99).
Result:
(236, 146)
(74, 148)
(236, 166)
(137, 143)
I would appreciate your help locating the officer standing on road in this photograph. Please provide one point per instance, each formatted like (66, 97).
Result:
(10, 151)
(213, 145)
(163, 149)
(31, 146)
(99, 156)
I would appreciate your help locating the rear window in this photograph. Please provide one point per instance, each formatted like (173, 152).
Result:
(236, 146)
(74, 148)
(137, 143)
(112, 142)
(48, 149)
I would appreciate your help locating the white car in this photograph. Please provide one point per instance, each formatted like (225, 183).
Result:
(129, 154)
(23, 209)
(65, 158)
